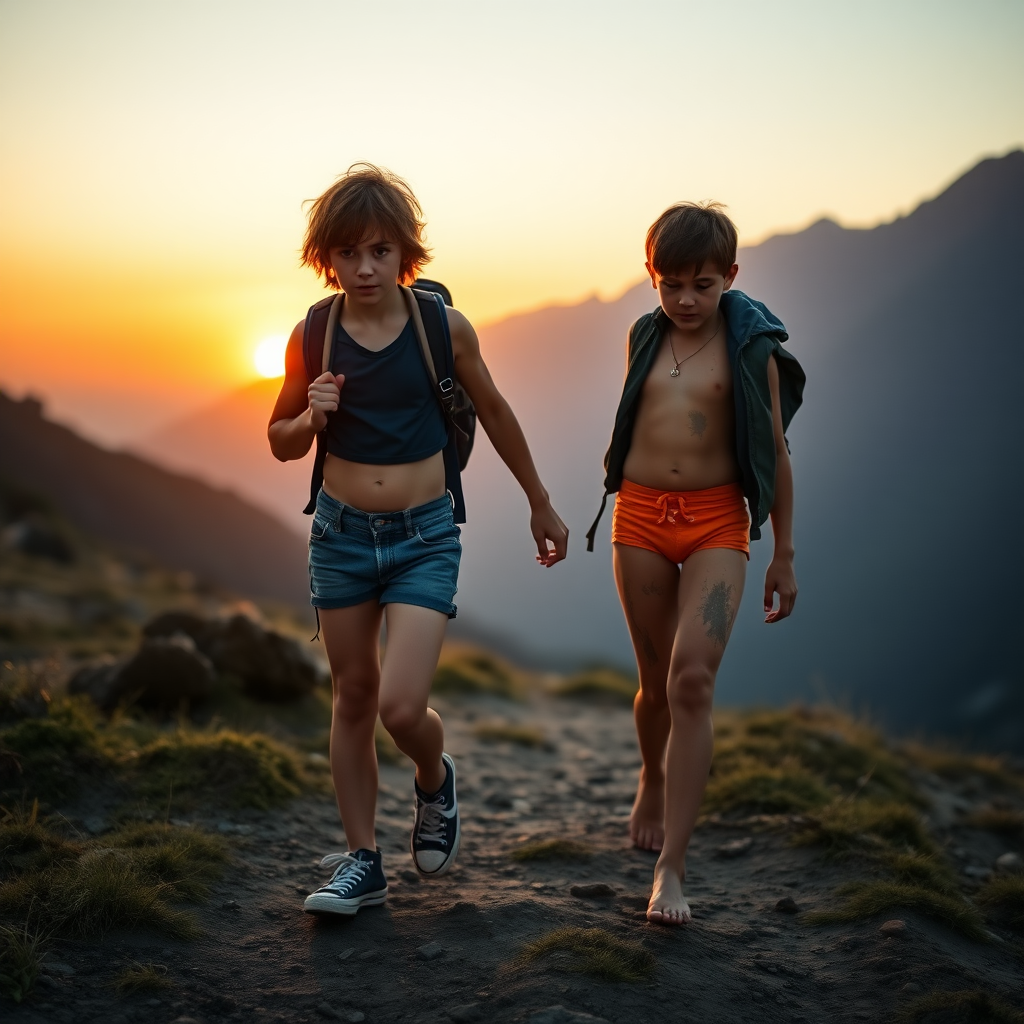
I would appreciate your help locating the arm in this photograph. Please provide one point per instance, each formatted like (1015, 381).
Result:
(497, 418)
(301, 410)
(780, 578)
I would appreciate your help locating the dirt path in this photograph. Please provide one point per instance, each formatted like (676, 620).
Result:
(452, 949)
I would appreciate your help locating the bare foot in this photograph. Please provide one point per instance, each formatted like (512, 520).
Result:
(668, 905)
(647, 820)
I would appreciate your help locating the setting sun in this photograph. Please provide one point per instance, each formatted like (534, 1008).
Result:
(269, 356)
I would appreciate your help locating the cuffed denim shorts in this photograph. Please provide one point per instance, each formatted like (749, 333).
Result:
(409, 557)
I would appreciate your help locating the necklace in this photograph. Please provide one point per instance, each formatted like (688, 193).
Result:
(674, 372)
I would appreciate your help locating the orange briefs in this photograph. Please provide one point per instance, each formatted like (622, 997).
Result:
(675, 524)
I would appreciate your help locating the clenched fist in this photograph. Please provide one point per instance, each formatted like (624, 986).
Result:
(324, 395)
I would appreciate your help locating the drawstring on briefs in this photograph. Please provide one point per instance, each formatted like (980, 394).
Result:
(316, 636)
(670, 514)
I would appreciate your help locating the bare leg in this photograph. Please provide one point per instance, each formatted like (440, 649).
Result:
(351, 637)
(648, 586)
(710, 588)
(410, 658)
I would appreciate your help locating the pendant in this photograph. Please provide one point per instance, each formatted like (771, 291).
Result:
(674, 372)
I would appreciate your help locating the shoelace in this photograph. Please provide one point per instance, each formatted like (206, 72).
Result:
(431, 823)
(349, 872)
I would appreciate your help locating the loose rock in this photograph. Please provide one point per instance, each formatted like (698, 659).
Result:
(326, 1010)
(787, 905)
(895, 928)
(431, 951)
(592, 891)
(268, 665)
(1010, 863)
(735, 847)
(163, 672)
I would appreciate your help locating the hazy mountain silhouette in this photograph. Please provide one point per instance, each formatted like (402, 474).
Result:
(906, 456)
(181, 523)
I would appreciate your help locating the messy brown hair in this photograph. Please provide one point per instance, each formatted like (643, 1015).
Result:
(690, 235)
(364, 200)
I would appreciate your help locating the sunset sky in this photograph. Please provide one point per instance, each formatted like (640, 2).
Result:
(154, 157)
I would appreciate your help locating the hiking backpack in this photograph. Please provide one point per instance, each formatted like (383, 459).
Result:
(426, 301)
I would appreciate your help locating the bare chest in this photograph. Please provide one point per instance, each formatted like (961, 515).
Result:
(703, 382)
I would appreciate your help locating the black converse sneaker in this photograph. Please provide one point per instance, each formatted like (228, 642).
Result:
(435, 833)
(358, 881)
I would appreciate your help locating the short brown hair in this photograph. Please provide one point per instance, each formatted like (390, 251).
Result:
(365, 198)
(690, 235)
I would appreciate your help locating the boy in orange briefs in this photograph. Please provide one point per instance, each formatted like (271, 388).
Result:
(699, 459)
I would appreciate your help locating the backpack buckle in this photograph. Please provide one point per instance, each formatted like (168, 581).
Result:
(446, 385)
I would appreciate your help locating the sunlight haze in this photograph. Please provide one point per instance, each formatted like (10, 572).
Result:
(155, 158)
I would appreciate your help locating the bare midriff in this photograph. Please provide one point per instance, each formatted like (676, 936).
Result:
(684, 434)
(384, 488)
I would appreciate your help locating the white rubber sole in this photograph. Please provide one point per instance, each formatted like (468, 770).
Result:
(446, 866)
(322, 903)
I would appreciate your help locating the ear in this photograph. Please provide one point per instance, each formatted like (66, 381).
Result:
(731, 276)
(654, 279)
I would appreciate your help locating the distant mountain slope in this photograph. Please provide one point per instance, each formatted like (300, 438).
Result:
(907, 459)
(181, 522)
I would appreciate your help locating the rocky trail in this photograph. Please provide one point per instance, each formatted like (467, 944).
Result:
(459, 948)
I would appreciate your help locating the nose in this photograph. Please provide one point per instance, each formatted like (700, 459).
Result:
(365, 265)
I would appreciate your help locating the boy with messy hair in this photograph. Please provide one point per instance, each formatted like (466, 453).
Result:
(386, 503)
(699, 461)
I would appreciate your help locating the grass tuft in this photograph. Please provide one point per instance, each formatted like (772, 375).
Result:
(509, 732)
(965, 1007)
(224, 767)
(960, 767)
(20, 959)
(128, 879)
(601, 683)
(553, 849)
(865, 899)
(1003, 898)
(475, 673)
(142, 978)
(593, 951)
(846, 827)
(56, 751)
(764, 789)
(1001, 820)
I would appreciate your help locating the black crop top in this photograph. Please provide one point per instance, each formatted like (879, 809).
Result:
(388, 413)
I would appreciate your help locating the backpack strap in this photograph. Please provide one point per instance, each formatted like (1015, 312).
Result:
(316, 354)
(435, 344)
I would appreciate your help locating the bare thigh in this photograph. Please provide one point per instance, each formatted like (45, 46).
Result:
(710, 588)
(413, 646)
(352, 641)
(648, 584)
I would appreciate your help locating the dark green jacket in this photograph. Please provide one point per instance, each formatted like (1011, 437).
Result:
(754, 335)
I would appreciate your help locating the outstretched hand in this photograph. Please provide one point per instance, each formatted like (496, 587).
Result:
(324, 394)
(780, 579)
(551, 535)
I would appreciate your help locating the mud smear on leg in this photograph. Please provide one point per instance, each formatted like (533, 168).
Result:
(717, 612)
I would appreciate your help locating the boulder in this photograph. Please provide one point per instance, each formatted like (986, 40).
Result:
(269, 666)
(162, 674)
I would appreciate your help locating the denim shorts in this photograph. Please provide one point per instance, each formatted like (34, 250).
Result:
(409, 557)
